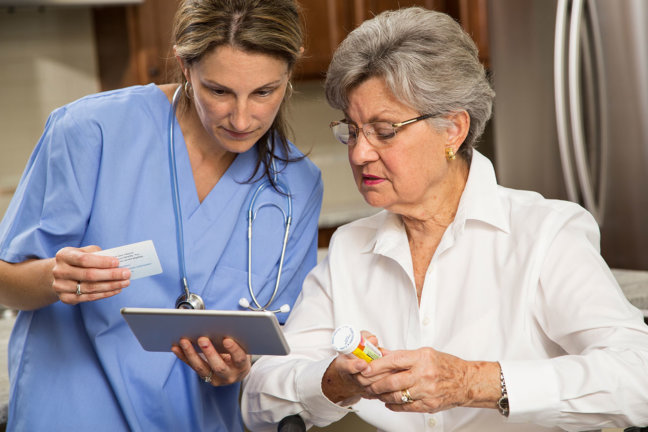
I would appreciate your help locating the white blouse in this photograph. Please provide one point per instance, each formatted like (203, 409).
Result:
(516, 278)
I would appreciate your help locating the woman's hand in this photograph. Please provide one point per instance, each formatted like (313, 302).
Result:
(435, 381)
(342, 382)
(339, 383)
(81, 276)
(212, 366)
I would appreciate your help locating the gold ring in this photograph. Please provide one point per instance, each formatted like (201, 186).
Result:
(406, 397)
(78, 291)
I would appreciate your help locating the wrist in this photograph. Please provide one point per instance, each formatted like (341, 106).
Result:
(483, 385)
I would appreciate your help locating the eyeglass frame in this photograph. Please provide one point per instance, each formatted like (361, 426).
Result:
(396, 126)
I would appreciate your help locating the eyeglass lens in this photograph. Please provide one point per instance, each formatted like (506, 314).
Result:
(374, 132)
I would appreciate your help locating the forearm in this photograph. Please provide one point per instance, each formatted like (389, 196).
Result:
(279, 387)
(27, 285)
(606, 388)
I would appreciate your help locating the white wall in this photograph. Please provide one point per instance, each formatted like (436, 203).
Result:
(47, 59)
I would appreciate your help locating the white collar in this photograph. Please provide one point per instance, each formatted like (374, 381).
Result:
(479, 201)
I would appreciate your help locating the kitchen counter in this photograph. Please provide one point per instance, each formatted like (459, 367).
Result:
(634, 284)
(7, 319)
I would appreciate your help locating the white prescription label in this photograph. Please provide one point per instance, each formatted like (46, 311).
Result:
(140, 258)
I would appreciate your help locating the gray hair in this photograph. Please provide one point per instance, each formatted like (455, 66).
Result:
(426, 59)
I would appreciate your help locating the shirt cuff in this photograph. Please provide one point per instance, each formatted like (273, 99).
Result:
(309, 390)
(533, 392)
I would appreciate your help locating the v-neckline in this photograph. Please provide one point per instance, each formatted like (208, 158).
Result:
(239, 171)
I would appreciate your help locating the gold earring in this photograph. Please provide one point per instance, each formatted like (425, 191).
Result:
(450, 154)
(188, 89)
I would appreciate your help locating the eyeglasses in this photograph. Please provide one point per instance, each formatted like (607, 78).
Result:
(377, 133)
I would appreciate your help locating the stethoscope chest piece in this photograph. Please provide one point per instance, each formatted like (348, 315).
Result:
(192, 301)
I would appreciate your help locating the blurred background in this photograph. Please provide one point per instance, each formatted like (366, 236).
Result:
(570, 119)
(55, 51)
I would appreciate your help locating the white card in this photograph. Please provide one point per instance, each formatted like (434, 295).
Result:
(140, 258)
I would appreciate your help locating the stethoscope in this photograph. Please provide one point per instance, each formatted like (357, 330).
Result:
(189, 300)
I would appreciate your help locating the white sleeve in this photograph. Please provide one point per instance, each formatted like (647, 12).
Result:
(600, 380)
(280, 386)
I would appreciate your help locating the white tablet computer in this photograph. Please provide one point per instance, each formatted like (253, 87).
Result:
(158, 329)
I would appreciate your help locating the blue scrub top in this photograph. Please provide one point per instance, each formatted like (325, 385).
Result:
(100, 176)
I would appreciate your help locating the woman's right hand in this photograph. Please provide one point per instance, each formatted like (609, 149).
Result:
(342, 382)
(97, 276)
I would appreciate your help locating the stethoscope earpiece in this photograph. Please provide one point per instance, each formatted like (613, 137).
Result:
(245, 304)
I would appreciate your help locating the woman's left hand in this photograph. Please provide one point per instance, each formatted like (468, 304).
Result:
(216, 368)
(435, 381)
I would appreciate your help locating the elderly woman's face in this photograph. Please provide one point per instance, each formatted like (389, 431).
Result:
(407, 170)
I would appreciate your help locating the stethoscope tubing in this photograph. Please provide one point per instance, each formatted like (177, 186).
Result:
(176, 195)
(252, 214)
(287, 222)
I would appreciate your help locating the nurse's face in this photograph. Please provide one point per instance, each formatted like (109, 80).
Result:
(236, 95)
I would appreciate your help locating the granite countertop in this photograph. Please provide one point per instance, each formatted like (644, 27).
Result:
(634, 284)
(7, 319)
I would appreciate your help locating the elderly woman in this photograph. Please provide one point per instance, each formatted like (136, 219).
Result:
(494, 307)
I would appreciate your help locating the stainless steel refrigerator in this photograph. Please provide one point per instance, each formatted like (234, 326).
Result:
(571, 110)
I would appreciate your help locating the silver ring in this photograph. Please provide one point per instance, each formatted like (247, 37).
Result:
(406, 397)
(208, 378)
(78, 291)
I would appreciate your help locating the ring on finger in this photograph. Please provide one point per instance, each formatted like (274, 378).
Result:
(209, 377)
(78, 291)
(406, 397)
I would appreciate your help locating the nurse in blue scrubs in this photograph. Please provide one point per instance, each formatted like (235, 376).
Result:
(100, 178)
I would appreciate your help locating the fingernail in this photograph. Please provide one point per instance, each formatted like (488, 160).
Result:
(126, 274)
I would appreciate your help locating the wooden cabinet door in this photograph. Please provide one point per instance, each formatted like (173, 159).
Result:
(134, 42)
(327, 22)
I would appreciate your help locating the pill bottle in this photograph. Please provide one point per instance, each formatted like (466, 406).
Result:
(348, 340)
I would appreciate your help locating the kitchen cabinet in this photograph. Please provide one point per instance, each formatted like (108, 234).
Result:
(327, 22)
(133, 41)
